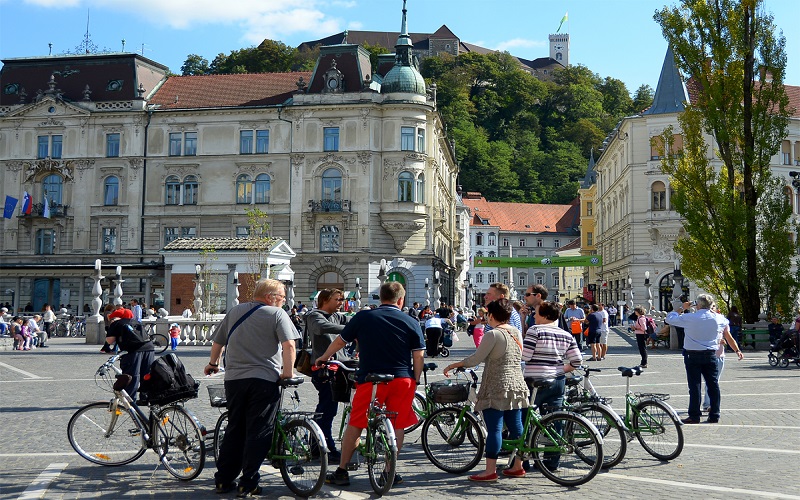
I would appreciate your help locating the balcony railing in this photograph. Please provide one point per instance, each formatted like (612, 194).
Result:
(56, 210)
(329, 205)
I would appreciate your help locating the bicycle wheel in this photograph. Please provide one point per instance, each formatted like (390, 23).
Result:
(105, 434)
(443, 440)
(773, 360)
(160, 342)
(219, 433)
(567, 448)
(302, 472)
(420, 407)
(658, 430)
(381, 456)
(615, 439)
(444, 352)
(179, 442)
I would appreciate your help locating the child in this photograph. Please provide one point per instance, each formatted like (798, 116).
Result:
(175, 335)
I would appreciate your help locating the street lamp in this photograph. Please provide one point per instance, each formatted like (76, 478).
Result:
(437, 292)
(427, 293)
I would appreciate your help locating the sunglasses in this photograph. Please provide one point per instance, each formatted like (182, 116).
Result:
(528, 294)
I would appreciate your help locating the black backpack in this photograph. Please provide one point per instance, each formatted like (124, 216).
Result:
(132, 335)
(168, 381)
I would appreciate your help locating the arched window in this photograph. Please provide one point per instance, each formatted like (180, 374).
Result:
(52, 188)
(262, 188)
(111, 191)
(492, 253)
(420, 198)
(190, 190)
(405, 187)
(659, 196)
(173, 191)
(244, 189)
(332, 185)
(329, 239)
(479, 253)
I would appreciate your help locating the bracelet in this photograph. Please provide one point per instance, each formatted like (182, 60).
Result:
(213, 364)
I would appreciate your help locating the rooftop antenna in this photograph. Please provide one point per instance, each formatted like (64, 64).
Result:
(123, 45)
(50, 45)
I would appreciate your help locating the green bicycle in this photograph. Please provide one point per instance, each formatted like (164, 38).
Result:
(298, 446)
(647, 416)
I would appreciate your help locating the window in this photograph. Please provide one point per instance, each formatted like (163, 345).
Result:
(407, 138)
(540, 279)
(522, 280)
(52, 188)
(175, 143)
(556, 282)
(492, 253)
(112, 145)
(479, 278)
(190, 187)
(49, 145)
(330, 138)
(479, 238)
(332, 184)
(479, 253)
(658, 148)
(589, 208)
(173, 187)
(190, 144)
(522, 242)
(329, 239)
(246, 142)
(405, 186)
(262, 188)
(109, 240)
(505, 279)
(492, 277)
(420, 140)
(262, 141)
(244, 189)
(492, 240)
(589, 238)
(786, 153)
(505, 242)
(111, 191)
(557, 243)
(242, 231)
(170, 234)
(188, 232)
(420, 189)
(539, 242)
(45, 241)
(659, 196)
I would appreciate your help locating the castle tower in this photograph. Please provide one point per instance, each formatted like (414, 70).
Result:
(559, 48)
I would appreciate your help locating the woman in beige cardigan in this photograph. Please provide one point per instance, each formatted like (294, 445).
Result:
(503, 393)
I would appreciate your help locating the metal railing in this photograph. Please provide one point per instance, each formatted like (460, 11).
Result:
(329, 205)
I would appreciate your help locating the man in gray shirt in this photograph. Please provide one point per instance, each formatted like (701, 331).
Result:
(323, 325)
(574, 313)
(259, 342)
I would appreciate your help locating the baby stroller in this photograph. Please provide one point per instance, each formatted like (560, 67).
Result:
(445, 341)
(786, 350)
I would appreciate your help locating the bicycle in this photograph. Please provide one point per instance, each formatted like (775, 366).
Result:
(77, 328)
(564, 445)
(298, 447)
(118, 432)
(421, 404)
(647, 416)
(379, 449)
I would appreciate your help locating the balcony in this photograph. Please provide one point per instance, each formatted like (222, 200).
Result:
(56, 210)
(329, 205)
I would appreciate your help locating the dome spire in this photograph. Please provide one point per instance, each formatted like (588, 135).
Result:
(403, 47)
(404, 76)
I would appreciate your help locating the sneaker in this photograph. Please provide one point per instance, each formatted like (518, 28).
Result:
(382, 479)
(339, 477)
(221, 488)
(255, 492)
(489, 478)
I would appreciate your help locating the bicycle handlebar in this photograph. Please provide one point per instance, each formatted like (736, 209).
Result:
(339, 364)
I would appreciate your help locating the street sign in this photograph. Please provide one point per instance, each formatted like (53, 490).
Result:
(523, 262)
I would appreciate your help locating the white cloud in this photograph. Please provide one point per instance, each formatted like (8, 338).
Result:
(344, 4)
(519, 43)
(355, 25)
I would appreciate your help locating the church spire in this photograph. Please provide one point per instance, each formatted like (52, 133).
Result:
(670, 92)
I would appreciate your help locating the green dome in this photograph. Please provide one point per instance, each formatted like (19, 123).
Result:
(403, 79)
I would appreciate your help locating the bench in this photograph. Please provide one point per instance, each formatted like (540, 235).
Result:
(753, 337)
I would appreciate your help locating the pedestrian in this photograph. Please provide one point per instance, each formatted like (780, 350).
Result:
(574, 317)
(775, 329)
(534, 295)
(174, 335)
(434, 329)
(136, 309)
(129, 336)
(703, 330)
(640, 329)
(479, 328)
(502, 394)
(725, 340)
(323, 325)
(594, 321)
(604, 330)
(735, 320)
(259, 343)
(498, 291)
(612, 315)
(48, 322)
(390, 341)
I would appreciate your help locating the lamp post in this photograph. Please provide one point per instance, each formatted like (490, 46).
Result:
(358, 294)
(427, 293)
(198, 291)
(118, 288)
(648, 286)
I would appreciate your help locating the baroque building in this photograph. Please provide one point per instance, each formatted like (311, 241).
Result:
(349, 166)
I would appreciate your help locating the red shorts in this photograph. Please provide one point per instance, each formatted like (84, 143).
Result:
(397, 395)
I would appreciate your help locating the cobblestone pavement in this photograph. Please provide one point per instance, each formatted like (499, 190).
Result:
(752, 453)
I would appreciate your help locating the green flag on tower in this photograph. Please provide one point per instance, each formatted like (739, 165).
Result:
(562, 21)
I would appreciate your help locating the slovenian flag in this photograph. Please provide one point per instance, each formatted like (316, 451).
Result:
(27, 204)
(563, 20)
(8, 209)
(46, 211)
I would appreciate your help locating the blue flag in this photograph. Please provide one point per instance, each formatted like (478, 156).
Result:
(11, 204)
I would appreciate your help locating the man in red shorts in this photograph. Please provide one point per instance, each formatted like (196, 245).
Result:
(390, 342)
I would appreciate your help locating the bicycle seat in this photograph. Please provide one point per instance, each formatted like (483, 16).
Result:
(291, 382)
(575, 380)
(122, 381)
(428, 367)
(630, 372)
(541, 382)
(379, 377)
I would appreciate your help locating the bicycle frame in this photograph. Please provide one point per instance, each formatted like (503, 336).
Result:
(282, 419)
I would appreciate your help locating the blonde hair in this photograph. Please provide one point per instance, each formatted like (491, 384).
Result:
(267, 286)
(500, 287)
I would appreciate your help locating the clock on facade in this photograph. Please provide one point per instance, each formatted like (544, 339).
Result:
(333, 83)
(558, 47)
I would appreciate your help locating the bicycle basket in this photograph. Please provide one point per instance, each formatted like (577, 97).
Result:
(342, 383)
(449, 391)
(216, 393)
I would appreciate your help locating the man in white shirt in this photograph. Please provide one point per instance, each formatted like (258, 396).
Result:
(612, 315)
(603, 332)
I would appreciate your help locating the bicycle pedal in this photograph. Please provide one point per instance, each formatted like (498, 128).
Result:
(352, 466)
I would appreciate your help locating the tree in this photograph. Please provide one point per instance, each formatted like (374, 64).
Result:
(737, 65)
(374, 52)
(642, 99)
(259, 243)
(194, 65)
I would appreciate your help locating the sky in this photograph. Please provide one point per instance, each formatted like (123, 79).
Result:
(613, 38)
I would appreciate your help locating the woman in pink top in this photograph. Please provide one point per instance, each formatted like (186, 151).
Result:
(477, 331)
(640, 329)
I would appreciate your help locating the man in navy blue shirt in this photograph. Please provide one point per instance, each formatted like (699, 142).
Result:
(389, 342)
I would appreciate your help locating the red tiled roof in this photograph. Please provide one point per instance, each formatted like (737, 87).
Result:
(576, 243)
(524, 217)
(792, 91)
(210, 91)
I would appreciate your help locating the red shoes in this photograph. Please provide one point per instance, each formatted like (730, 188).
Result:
(490, 478)
(514, 473)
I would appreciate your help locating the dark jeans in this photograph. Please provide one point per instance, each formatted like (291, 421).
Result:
(494, 428)
(137, 365)
(641, 342)
(735, 332)
(549, 399)
(432, 336)
(326, 407)
(702, 366)
(252, 407)
(578, 339)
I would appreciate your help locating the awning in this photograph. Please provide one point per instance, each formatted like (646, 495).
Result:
(350, 295)
(314, 295)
